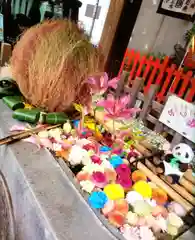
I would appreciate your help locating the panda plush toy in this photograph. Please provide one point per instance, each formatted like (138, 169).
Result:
(175, 163)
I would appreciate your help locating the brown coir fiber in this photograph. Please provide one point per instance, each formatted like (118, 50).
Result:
(51, 64)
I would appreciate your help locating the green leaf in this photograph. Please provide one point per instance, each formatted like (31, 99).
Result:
(100, 109)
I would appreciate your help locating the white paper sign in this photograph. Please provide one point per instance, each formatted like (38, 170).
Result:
(180, 6)
(179, 115)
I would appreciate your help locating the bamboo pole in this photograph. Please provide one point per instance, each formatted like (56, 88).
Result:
(25, 134)
(173, 194)
(188, 175)
(179, 189)
(188, 185)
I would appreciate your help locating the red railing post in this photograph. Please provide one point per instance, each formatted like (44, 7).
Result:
(141, 65)
(135, 63)
(156, 66)
(177, 74)
(148, 66)
(163, 90)
(191, 94)
(185, 83)
(163, 67)
(128, 57)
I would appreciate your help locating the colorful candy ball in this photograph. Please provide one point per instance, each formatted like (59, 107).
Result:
(132, 218)
(97, 200)
(114, 191)
(108, 207)
(133, 196)
(122, 206)
(159, 195)
(110, 175)
(177, 208)
(138, 176)
(142, 208)
(143, 188)
(83, 176)
(117, 219)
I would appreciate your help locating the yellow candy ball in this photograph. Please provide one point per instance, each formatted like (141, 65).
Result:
(114, 191)
(143, 188)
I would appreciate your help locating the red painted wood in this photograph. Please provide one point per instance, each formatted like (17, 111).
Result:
(135, 62)
(156, 66)
(190, 95)
(148, 66)
(178, 74)
(141, 65)
(163, 91)
(185, 83)
(128, 58)
(163, 67)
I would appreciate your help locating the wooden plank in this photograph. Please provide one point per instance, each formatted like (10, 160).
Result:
(110, 26)
(6, 52)
(148, 101)
(177, 138)
(158, 127)
(158, 107)
(137, 86)
(121, 83)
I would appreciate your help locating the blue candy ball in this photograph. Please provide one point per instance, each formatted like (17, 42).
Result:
(97, 200)
(116, 161)
(105, 149)
(76, 123)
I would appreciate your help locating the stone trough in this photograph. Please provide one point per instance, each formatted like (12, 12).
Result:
(39, 199)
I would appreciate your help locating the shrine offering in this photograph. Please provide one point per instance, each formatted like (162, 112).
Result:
(139, 191)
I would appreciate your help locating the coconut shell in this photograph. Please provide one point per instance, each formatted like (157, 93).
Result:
(51, 64)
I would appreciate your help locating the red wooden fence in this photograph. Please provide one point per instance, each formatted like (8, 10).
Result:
(156, 71)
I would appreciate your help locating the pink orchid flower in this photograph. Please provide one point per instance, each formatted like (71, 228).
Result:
(99, 85)
(117, 108)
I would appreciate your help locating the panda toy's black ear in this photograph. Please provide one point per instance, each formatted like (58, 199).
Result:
(168, 157)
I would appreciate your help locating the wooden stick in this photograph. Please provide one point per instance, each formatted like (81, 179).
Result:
(25, 134)
(188, 185)
(173, 194)
(188, 175)
(182, 191)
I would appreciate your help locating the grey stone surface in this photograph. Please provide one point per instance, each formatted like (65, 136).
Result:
(46, 203)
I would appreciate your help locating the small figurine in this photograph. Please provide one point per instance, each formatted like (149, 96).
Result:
(175, 163)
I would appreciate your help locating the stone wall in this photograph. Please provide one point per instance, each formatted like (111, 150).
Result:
(155, 32)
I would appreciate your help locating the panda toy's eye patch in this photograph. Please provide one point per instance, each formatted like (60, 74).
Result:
(187, 155)
(177, 148)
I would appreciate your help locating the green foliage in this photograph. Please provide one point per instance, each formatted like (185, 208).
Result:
(190, 33)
